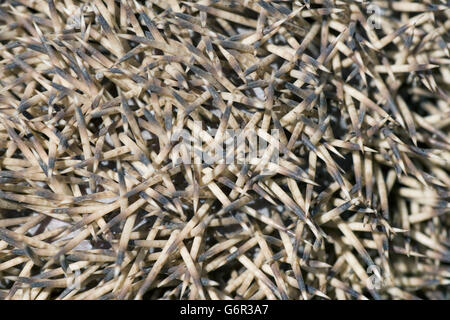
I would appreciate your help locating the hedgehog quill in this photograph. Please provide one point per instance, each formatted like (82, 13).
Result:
(231, 149)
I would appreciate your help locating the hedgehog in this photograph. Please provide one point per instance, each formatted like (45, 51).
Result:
(235, 149)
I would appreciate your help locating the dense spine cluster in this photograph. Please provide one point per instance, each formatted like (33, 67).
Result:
(348, 198)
